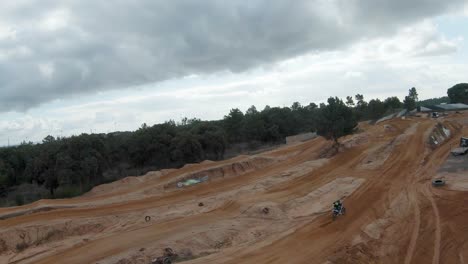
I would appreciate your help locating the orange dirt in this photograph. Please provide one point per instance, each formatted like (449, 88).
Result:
(383, 173)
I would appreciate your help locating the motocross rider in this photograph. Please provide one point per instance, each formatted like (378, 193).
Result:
(337, 205)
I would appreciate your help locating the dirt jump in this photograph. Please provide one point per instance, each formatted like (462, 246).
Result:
(272, 207)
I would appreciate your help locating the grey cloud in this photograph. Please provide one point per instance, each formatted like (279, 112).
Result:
(116, 44)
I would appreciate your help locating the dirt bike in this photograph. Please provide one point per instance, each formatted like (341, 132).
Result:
(336, 212)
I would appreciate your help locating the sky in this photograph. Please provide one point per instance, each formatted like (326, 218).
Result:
(82, 66)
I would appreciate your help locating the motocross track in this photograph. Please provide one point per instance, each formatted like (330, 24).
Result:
(383, 173)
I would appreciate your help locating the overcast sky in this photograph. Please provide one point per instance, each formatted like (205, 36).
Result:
(74, 66)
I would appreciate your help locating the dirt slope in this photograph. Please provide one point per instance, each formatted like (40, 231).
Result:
(273, 207)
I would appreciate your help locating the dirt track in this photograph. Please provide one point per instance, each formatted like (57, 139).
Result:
(383, 173)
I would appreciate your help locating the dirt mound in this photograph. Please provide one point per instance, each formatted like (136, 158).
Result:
(20, 239)
(321, 199)
(34, 210)
(439, 135)
(389, 128)
(377, 156)
(355, 140)
(380, 152)
(221, 172)
(125, 183)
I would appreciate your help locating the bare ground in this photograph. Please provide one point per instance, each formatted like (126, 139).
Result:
(272, 207)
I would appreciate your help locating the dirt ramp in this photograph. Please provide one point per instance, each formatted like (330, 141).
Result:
(441, 133)
(321, 199)
(379, 238)
(18, 239)
(26, 211)
(221, 172)
(125, 183)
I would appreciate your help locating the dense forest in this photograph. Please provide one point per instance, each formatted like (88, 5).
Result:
(70, 166)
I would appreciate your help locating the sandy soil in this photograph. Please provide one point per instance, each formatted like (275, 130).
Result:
(273, 207)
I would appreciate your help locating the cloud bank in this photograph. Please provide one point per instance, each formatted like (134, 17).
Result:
(52, 49)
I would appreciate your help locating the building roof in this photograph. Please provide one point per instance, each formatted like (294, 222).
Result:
(425, 109)
(447, 107)
(452, 106)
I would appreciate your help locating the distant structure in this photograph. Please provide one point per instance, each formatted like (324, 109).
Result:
(448, 107)
(441, 108)
(426, 109)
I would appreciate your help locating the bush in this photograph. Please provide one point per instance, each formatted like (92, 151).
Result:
(19, 200)
(67, 192)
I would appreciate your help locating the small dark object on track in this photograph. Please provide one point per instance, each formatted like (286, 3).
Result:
(162, 260)
(438, 182)
(147, 218)
(266, 210)
(168, 256)
(201, 204)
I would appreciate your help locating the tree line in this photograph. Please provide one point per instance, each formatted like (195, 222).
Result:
(69, 166)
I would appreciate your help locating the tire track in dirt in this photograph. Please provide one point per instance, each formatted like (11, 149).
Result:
(437, 235)
(326, 239)
(415, 233)
(431, 162)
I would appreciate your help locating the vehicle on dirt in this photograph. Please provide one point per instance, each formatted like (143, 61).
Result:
(338, 211)
(462, 149)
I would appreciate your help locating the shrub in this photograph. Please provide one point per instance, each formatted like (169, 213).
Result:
(19, 199)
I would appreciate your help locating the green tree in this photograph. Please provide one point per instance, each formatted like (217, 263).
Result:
(4, 182)
(349, 101)
(411, 99)
(335, 120)
(392, 103)
(212, 138)
(311, 106)
(186, 148)
(361, 107)
(254, 126)
(458, 93)
(296, 106)
(375, 109)
(48, 139)
(413, 94)
(233, 123)
(360, 100)
(251, 111)
(409, 103)
(51, 181)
